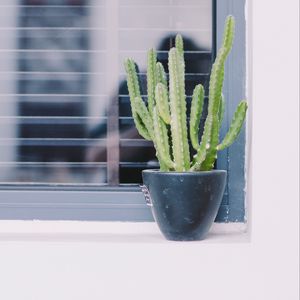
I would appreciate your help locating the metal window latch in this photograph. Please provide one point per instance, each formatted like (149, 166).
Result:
(146, 195)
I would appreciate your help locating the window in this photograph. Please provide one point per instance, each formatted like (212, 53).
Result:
(68, 145)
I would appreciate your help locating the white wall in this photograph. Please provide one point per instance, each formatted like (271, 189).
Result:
(264, 269)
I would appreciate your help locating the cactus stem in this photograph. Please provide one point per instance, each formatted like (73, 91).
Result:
(178, 111)
(151, 79)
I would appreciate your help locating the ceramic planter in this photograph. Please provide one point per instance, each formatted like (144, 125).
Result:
(184, 205)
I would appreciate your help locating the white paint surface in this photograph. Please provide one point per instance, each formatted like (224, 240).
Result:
(264, 269)
(111, 232)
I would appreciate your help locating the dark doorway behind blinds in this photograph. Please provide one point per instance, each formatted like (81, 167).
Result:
(67, 113)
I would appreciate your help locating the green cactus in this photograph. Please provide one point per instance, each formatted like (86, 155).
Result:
(134, 91)
(162, 102)
(164, 120)
(196, 112)
(180, 144)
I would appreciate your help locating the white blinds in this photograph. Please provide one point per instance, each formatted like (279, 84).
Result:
(64, 108)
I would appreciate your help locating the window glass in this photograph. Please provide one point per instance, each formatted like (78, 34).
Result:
(64, 107)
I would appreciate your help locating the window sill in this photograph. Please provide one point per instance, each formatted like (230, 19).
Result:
(109, 232)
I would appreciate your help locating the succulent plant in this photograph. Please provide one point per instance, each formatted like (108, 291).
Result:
(164, 119)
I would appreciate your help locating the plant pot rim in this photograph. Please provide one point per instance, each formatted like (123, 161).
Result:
(187, 173)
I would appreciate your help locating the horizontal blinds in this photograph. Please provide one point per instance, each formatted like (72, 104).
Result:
(64, 107)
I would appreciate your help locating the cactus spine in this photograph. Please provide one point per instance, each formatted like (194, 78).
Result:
(166, 111)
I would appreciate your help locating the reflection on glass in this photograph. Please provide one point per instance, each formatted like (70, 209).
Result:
(64, 107)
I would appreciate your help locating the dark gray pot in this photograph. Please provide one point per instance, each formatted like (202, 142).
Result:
(184, 205)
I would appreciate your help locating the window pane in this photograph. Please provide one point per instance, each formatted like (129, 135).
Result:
(64, 108)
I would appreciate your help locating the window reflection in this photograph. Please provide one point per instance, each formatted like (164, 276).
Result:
(64, 109)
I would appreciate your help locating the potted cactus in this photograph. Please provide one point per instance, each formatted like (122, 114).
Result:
(185, 194)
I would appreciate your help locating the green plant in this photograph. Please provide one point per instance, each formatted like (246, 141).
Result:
(166, 110)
